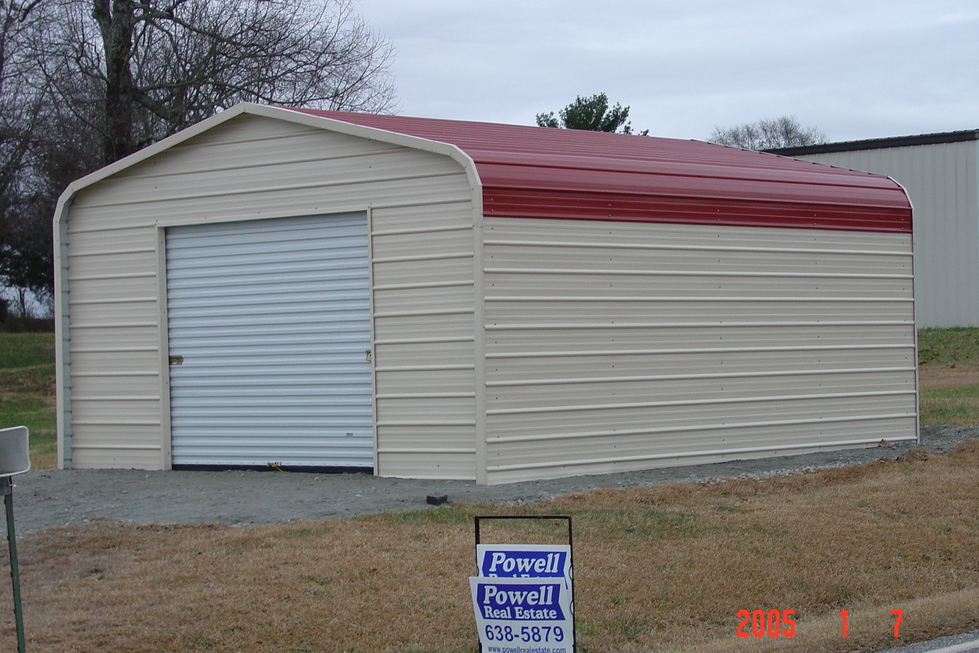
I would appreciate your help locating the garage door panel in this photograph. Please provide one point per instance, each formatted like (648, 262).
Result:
(269, 323)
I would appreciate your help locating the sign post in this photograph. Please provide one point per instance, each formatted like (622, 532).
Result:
(523, 597)
(14, 459)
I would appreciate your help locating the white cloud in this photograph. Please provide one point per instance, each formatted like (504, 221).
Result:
(855, 69)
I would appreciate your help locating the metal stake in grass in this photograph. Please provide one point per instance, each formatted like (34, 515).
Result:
(14, 459)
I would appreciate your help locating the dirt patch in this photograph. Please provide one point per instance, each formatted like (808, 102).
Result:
(932, 377)
(912, 455)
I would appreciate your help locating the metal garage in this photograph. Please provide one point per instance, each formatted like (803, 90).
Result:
(439, 299)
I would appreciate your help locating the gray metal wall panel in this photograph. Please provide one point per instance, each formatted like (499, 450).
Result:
(272, 321)
(942, 181)
(622, 346)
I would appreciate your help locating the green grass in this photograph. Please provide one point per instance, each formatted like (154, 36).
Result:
(27, 396)
(26, 349)
(950, 406)
(949, 374)
(958, 346)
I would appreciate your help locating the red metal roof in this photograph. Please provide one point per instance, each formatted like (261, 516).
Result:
(537, 172)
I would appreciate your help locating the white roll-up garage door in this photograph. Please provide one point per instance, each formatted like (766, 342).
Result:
(269, 327)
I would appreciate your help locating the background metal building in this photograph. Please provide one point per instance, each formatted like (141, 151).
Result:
(939, 172)
(440, 299)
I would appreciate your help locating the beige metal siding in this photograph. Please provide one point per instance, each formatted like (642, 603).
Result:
(249, 168)
(616, 346)
(423, 341)
(941, 180)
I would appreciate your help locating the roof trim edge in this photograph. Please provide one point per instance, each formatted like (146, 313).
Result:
(878, 143)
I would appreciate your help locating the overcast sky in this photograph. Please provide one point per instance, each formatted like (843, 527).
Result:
(853, 68)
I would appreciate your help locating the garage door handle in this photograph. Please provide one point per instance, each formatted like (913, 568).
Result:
(176, 360)
(368, 352)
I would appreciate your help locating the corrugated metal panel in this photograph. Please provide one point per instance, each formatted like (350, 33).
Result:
(533, 172)
(265, 200)
(631, 208)
(398, 166)
(271, 320)
(424, 351)
(941, 179)
(249, 169)
(439, 464)
(692, 445)
(114, 348)
(672, 344)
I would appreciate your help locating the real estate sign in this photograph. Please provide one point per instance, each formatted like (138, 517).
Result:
(523, 598)
(524, 560)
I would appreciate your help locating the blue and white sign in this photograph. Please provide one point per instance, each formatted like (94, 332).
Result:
(524, 560)
(523, 615)
(523, 598)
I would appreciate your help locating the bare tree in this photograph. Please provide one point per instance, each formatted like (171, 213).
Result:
(768, 134)
(20, 104)
(139, 70)
(23, 246)
(84, 83)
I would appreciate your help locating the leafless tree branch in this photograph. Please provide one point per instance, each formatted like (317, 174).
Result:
(85, 82)
(784, 131)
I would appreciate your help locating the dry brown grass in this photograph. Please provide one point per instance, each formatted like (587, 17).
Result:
(931, 376)
(658, 569)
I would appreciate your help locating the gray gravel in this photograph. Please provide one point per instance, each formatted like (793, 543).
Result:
(51, 498)
(965, 643)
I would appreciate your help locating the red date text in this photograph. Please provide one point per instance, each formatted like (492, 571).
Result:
(773, 623)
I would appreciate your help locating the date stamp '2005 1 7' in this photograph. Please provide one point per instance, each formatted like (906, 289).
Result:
(781, 623)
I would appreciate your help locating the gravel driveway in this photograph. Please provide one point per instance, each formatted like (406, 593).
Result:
(49, 498)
